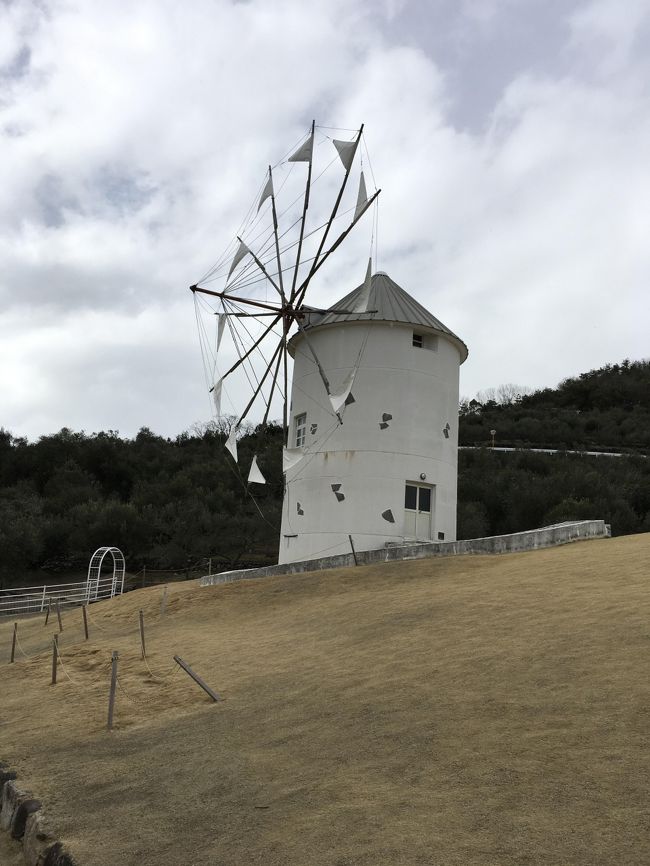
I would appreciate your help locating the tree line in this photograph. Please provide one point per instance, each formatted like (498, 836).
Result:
(603, 410)
(174, 503)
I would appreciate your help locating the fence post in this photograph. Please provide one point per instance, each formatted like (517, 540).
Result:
(58, 613)
(111, 697)
(55, 653)
(142, 634)
(354, 553)
(197, 679)
(13, 644)
(49, 608)
(85, 616)
(43, 598)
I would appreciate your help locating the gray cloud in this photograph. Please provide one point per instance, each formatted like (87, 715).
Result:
(509, 143)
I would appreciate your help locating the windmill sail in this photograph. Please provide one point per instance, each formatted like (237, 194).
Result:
(291, 457)
(304, 152)
(362, 197)
(267, 192)
(361, 305)
(241, 253)
(338, 399)
(231, 442)
(216, 396)
(255, 475)
(346, 151)
(220, 326)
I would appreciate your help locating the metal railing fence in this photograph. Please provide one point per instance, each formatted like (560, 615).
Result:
(25, 600)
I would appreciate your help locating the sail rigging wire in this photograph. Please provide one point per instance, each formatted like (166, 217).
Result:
(246, 227)
(336, 128)
(269, 234)
(257, 348)
(246, 219)
(242, 358)
(243, 223)
(259, 269)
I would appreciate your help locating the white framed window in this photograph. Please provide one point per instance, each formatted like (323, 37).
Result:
(300, 426)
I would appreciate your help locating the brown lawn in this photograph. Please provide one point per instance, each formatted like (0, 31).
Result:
(470, 710)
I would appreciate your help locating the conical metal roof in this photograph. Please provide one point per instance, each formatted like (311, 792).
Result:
(391, 303)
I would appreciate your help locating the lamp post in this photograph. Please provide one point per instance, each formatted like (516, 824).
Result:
(493, 433)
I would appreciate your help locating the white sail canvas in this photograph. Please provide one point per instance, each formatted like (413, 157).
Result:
(362, 197)
(346, 150)
(242, 251)
(255, 475)
(231, 442)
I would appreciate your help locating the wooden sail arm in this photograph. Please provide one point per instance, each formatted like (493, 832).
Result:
(268, 276)
(321, 372)
(274, 385)
(320, 262)
(277, 239)
(261, 382)
(227, 297)
(256, 315)
(304, 216)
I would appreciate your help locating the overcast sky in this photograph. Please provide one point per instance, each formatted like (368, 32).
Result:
(511, 139)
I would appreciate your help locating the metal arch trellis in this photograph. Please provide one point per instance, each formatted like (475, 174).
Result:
(95, 570)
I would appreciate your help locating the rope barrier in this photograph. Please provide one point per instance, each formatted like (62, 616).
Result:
(19, 645)
(43, 647)
(172, 672)
(63, 668)
(92, 620)
(133, 700)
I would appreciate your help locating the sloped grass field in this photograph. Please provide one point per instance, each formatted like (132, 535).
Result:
(470, 710)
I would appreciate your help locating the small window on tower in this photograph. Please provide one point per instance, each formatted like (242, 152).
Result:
(301, 429)
(425, 341)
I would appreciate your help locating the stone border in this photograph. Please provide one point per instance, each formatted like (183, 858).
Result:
(22, 817)
(533, 539)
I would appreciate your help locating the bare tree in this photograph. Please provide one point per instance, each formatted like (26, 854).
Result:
(503, 395)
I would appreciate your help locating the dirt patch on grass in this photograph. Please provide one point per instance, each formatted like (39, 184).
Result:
(469, 710)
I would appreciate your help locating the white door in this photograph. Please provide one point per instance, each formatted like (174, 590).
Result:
(418, 511)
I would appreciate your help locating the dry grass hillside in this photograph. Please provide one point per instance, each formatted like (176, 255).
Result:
(476, 710)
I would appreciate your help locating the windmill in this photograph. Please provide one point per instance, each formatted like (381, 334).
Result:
(370, 416)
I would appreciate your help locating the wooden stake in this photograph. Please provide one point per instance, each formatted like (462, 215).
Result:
(13, 644)
(111, 697)
(354, 553)
(142, 634)
(197, 679)
(85, 616)
(49, 608)
(58, 613)
(55, 655)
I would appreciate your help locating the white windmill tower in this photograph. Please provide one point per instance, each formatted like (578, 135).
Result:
(370, 431)
(375, 463)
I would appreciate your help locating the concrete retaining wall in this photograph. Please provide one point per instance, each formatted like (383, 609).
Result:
(547, 536)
